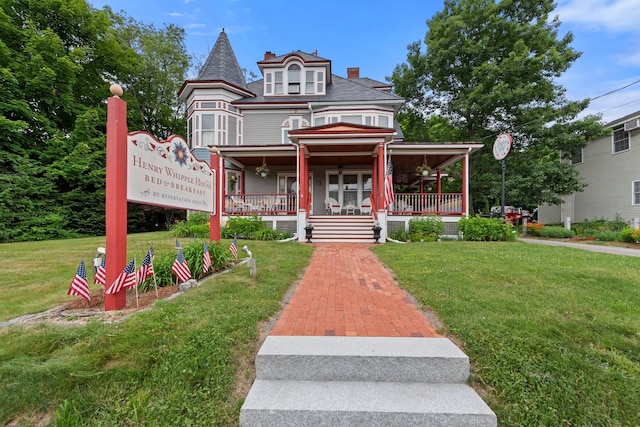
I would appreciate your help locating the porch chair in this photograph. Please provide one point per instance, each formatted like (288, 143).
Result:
(332, 205)
(365, 206)
(240, 204)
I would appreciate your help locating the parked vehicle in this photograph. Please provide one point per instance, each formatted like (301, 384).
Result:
(512, 214)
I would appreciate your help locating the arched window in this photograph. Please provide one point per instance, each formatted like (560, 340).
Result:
(294, 79)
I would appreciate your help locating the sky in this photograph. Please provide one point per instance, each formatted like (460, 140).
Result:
(373, 35)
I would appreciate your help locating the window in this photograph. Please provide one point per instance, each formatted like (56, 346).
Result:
(208, 130)
(577, 158)
(636, 192)
(383, 121)
(368, 120)
(318, 121)
(294, 79)
(294, 122)
(190, 131)
(620, 140)
(356, 120)
(320, 86)
(268, 81)
(279, 88)
(208, 105)
(309, 84)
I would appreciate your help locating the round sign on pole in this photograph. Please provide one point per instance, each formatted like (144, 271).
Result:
(502, 146)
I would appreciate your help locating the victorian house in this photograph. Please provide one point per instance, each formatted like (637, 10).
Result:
(303, 146)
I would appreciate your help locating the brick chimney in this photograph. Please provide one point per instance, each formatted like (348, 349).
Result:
(353, 73)
(268, 55)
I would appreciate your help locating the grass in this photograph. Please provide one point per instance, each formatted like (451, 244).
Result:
(180, 361)
(553, 332)
(37, 275)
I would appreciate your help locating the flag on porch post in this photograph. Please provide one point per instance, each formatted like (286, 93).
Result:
(388, 184)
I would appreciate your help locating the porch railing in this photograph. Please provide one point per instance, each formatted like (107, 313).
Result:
(426, 203)
(264, 204)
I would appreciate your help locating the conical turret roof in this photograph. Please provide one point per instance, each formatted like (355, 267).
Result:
(222, 64)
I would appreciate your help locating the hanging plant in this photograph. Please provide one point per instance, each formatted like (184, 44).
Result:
(423, 170)
(263, 170)
(232, 180)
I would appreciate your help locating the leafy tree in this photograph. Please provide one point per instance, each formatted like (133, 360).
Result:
(156, 68)
(492, 67)
(57, 60)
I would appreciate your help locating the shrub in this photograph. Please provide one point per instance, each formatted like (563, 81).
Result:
(534, 228)
(629, 235)
(220, 259)
(243, 227)
(607, 236)
(196, 225)
(426, 229)
(477, 228)
(592, 228)
(556, 232)
(400, 235)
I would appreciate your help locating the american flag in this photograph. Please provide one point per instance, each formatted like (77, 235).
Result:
(388, 184)
(234, 247)
(79, 285)
(180, 267)
(151, 252)
(146, 268)
(178, 244)
(126, 279)
(206, 259)
(101, 272)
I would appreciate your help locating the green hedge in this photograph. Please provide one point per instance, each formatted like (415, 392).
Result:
(477, 228)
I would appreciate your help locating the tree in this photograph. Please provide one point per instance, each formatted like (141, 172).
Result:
(57, 60)
(492, 67)
(155, 70)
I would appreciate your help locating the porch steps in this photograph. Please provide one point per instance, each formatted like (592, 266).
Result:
(342, 228)
(364, 381)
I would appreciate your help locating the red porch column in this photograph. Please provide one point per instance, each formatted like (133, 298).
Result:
(303, 181)
(465, 183)
(214, 220)
(116, 196)
(380, 177)
(374, 186)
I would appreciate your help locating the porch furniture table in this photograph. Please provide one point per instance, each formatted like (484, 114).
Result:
(350, 209)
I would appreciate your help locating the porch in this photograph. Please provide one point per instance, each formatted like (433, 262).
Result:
(444, 204)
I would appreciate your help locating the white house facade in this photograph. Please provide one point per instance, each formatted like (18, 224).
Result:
(610, 166)
(303, 144)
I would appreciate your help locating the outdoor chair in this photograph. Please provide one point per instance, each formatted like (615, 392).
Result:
(333, 205)
(365, 206)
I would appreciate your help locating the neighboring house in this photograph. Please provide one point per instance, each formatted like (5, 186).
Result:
(610, 166)
(324, 143)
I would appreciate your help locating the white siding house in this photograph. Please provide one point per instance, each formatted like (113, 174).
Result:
(610, 166)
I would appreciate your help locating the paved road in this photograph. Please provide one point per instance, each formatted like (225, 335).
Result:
(615, 250)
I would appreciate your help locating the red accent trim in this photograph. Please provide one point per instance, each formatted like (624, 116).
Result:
(116, 199)
(214, 220)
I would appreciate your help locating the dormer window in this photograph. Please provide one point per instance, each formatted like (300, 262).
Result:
(294, 79)
(278, 84)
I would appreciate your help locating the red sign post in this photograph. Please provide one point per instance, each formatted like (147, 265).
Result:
(116, 196)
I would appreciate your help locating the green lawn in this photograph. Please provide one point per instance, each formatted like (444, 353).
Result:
(553, 335)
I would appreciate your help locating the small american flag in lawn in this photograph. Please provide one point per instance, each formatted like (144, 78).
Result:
(126, 279)
(146, 268)
(178, 244)
(101, 272)
(151, 252)
(234, 247)
(180, 267)
(206, 259)
(79, 285)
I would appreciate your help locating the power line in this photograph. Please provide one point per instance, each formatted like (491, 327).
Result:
(614, 91)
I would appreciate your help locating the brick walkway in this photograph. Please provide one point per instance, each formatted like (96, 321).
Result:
(346, 291)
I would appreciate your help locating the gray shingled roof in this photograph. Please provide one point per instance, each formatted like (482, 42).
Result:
(306, 57)
(222, 64)
(340, 90)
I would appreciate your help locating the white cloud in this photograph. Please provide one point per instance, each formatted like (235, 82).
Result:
(594, 15)
(195, 25)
